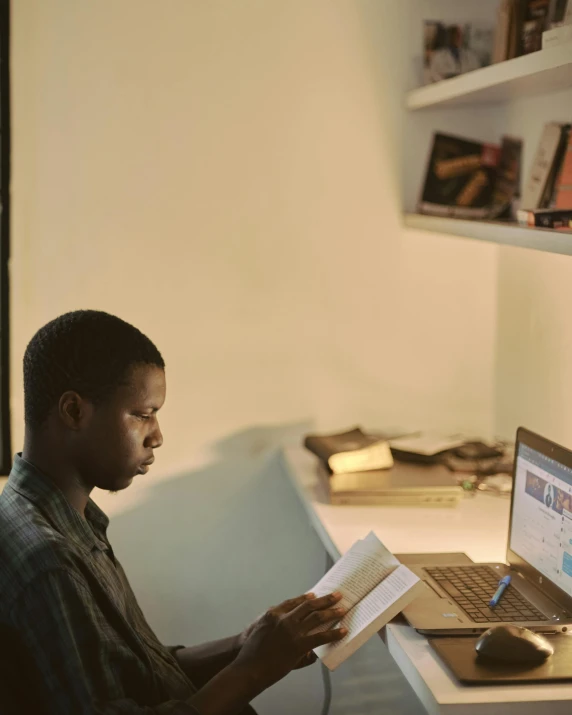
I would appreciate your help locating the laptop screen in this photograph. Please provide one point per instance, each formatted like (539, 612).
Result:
(541, 527)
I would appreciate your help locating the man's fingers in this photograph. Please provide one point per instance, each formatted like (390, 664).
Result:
(317, 618)
(315, 604)
(319, 639)
(292, 603)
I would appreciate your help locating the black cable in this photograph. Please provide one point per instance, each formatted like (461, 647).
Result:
(327, 689)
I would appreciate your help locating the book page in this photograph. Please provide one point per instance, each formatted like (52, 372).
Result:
(373, 612)
(378, 600)
(357, 573)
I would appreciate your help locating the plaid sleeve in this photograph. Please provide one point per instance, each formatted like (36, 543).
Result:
(57, 624)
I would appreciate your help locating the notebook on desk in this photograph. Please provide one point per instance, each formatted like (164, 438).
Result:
(539, 557)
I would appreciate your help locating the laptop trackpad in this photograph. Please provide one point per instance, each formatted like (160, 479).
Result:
(435, 609)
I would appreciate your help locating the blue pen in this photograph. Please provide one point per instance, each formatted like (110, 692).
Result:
(503, 585)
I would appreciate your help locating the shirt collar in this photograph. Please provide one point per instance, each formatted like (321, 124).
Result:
(89, 533)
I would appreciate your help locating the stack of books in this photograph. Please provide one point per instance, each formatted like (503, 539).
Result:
(469, 179)
(525, 26)
(357, 468)
(547, 196)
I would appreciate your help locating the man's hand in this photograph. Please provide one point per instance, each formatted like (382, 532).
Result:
(279, 641)
(307, 659)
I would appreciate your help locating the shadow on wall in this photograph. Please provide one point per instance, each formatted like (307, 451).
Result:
(207, 551)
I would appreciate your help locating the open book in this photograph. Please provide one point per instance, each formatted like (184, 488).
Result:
(375, 589)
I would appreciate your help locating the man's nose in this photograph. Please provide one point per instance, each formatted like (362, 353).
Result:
(155, 439)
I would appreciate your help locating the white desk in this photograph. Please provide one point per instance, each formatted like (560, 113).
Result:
(478, 527)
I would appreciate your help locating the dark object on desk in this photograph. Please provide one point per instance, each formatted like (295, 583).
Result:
(459, 655)
(512, 644)
(352, 451)
(480, 459)
(477, 450)
(414, 458)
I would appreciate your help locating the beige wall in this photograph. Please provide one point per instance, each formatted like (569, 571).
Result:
(226, 176)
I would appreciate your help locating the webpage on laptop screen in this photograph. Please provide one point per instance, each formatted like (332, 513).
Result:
(541, 530)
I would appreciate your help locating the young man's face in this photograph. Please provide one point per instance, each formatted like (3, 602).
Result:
(121, 434)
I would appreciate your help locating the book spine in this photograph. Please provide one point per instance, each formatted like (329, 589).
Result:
(501, 36)
(563, 183)
(430, 209)
(536, 13)
(542, 166)
(549, 194)
(545, 219)
(516, 19)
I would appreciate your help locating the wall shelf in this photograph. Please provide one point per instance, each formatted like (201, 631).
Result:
(548, 70)
(538, 239)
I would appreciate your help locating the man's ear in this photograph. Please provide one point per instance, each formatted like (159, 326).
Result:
(74, 410)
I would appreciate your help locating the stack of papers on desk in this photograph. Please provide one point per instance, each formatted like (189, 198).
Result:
(424, 446)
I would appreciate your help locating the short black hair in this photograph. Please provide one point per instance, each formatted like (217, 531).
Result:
(87, 351)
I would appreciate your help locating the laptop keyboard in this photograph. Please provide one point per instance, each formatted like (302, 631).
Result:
(472, 587)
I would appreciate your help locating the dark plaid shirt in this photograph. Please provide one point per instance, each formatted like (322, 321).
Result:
(73, 640)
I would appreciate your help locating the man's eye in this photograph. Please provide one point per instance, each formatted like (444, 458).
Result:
(144, 417)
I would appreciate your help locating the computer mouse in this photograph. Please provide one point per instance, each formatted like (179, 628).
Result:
(513, 644)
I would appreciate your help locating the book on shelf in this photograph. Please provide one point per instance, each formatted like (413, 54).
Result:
(460, 178)
(375, 587)
(500, 50)
(508, 35)
(559, 219)
(507, 180)
(350, 451)
(525, 26)
(515, 29)
(534, 22)
(404, 485)
(563, 184)
(539, 185)
(560, 13)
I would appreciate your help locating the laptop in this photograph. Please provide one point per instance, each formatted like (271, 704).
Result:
(539, 557)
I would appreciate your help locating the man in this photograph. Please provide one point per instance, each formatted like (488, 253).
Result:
(73, 639)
